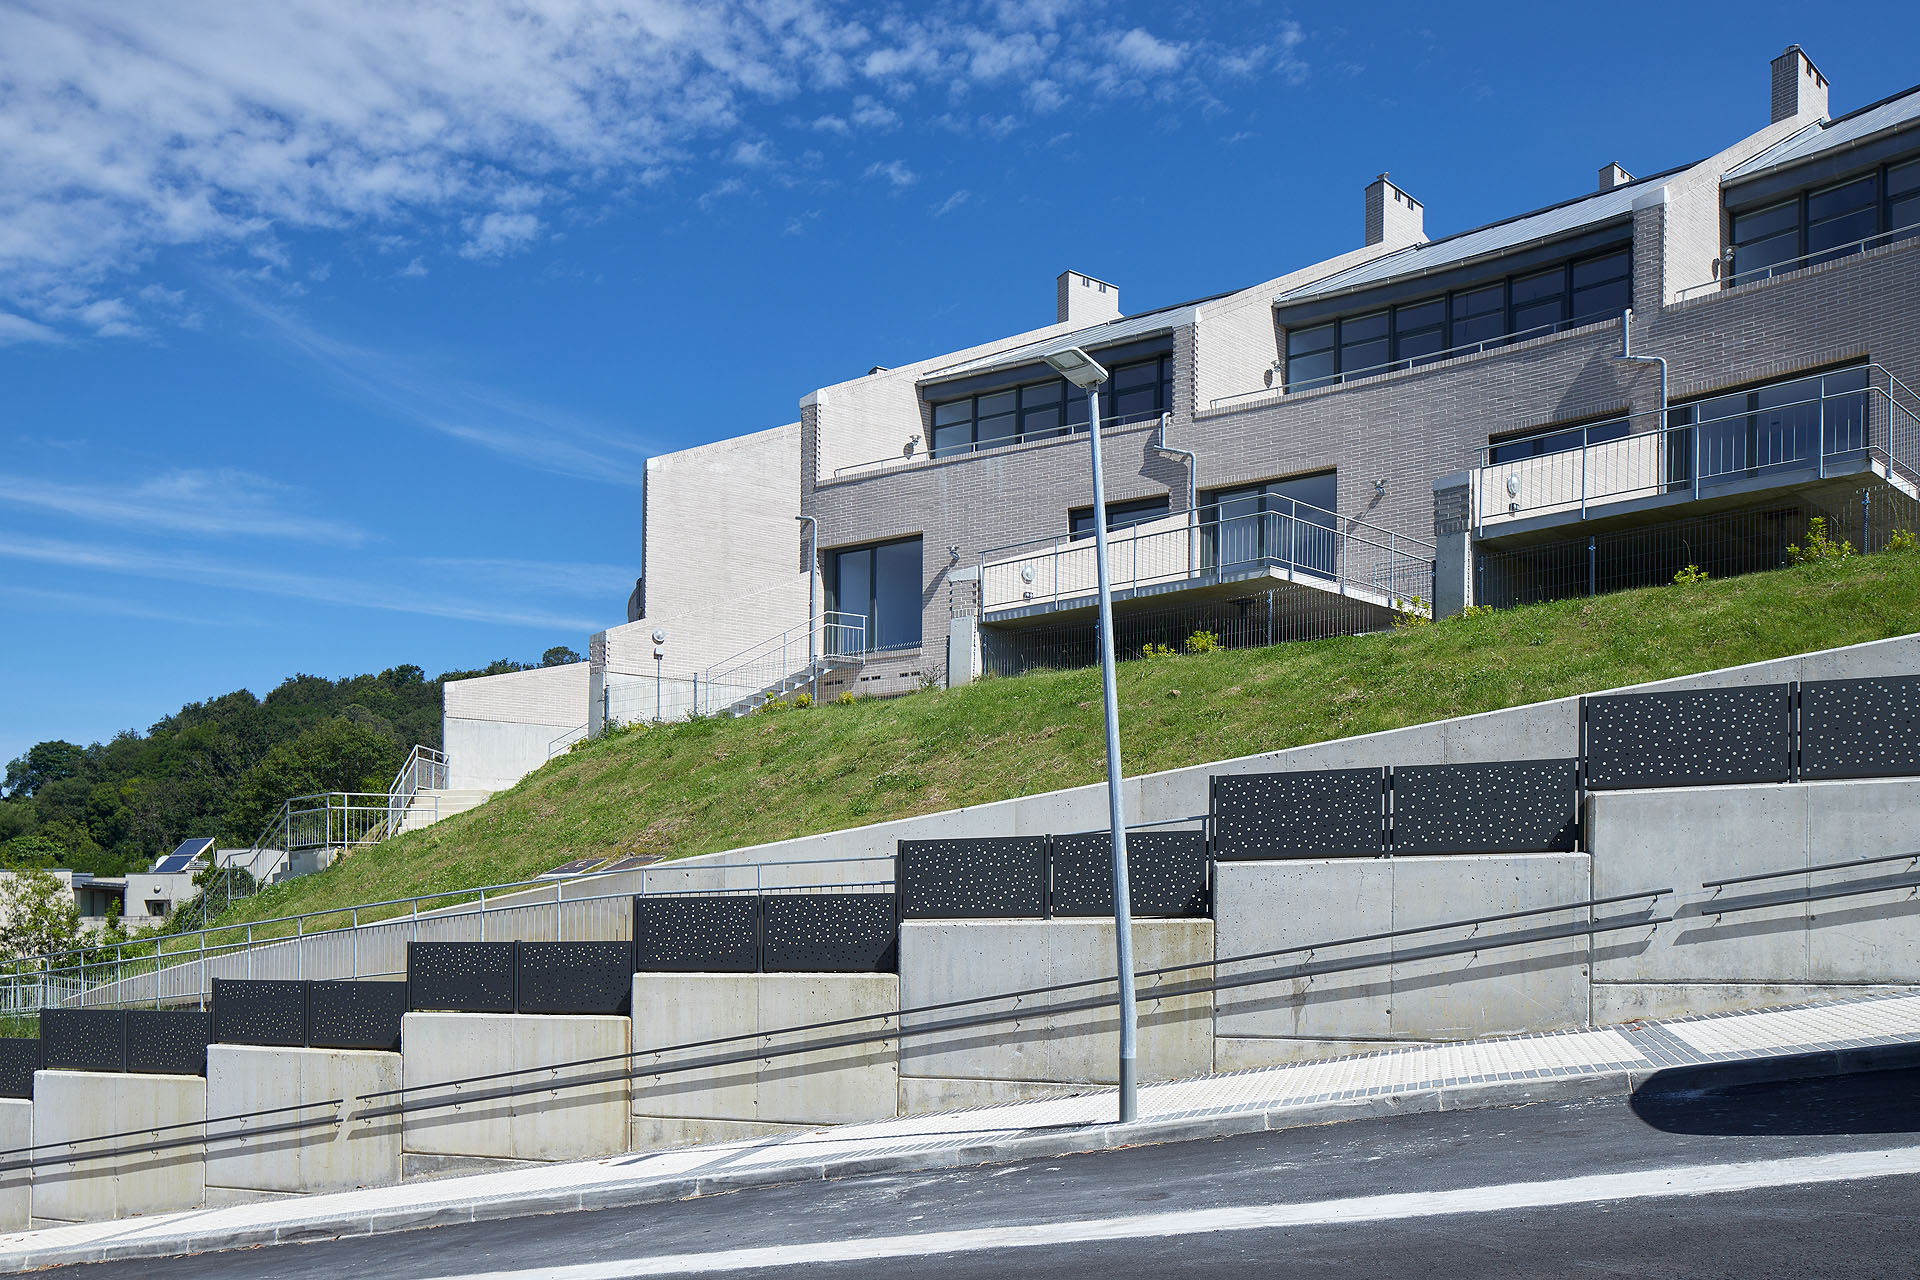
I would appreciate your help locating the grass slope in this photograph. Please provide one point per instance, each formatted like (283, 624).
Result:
(719, 784)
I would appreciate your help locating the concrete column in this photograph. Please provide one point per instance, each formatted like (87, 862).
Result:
(1453, 544)
(963, 651)
(16, 1188)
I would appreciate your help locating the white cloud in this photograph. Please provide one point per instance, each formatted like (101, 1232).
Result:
(871, 113)
(497, 234)
(952, 202)
(225, 502)
(175, 566)
(20, 329)
(830, 124)
(895, 172)
(752, 155)
(1143, 51)
(413, 270)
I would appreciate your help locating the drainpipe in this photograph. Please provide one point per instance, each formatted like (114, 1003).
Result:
(813, 574)
(1193, 511)
(1626, 353)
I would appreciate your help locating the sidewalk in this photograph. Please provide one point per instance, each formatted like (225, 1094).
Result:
(1844, 1035)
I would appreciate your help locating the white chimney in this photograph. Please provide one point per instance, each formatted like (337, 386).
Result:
(1082, 300)
(1612, 176)
(1393, 217)
(1798, 87)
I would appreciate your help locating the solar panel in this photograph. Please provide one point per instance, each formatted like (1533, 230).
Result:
(184, 855)
(633, 863)
(577, 867)
(172, 864)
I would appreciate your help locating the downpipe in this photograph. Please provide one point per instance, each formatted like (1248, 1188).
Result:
(1193, 508)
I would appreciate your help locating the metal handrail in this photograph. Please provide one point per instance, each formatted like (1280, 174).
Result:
(1816, 893)
(42, 959)
(760, 1051)
(1655, 474)
(1297, 536)
(566, 739)
(1804, 871)
(1754, 275)
(1284, 388)
(922, 457)
(771, 665)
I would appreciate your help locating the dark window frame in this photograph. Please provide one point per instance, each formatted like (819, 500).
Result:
(836, 590)
(1050, 392)
(1452, 318)
(1805, 255)
(1120, 515)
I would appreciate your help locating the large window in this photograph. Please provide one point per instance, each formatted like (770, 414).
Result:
(1729, 438)
(1824, 223)
(1287, 522)
(1559, 440)
(1134, 392)
(1120, 515)
(1579, 291)
(883, 584)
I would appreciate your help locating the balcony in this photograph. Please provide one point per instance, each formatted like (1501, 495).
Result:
(1829, 430)
(1309, 558)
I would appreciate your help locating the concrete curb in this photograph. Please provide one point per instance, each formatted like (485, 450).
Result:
(1482, 1095)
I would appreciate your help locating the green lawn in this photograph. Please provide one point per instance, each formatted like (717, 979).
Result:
(719, 784)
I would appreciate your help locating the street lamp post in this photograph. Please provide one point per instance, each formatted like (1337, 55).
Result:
(1080, 369)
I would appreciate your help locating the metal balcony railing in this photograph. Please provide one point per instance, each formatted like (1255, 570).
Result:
(1301, 542)
(914, 455)
(1734, 279)
(1574, 473)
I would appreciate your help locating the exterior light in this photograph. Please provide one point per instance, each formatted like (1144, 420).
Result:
(1077, 367)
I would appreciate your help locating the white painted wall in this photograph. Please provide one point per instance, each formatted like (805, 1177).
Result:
(498, 729)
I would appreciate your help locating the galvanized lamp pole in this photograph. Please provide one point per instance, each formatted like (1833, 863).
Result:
(1080, 369)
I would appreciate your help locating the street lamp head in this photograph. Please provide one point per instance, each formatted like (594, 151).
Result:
(1077, 367)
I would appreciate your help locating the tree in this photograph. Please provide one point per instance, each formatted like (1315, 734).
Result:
(44, 762)
(558, 656)
(37, 915)
(343, 754)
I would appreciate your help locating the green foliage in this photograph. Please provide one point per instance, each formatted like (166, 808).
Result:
(1154, 649)
(729, 783)
(803, 700)
(1820, 549)
(36, 915)
(1903, 540)
(113, 807)
(932, 676)
(1476, 611)
(846, 698)
(348, 753)
(1202, 642)
(1412, 616)
(559, 656)
(1690, 576)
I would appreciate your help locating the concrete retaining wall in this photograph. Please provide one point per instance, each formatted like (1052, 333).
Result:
(329, 1157)
(1416, 995)
(16, 1188)
(942, 960)
(548, 1124)
(833, 1086)
(70, 1107)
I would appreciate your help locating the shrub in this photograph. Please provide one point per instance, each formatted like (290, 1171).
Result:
(1202, 642)
(846, 698)
(1156, 650)
(1688, 576)
(1477, 611)
(1902, 540)
(1820, 548)
(932, 676)
(1410, 614)
(803, 700)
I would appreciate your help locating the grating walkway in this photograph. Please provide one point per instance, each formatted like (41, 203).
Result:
(1489, 1072)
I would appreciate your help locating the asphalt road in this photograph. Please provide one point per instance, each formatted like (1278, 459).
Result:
(1805, 1179)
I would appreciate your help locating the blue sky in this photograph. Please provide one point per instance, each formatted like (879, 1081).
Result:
(334, 334)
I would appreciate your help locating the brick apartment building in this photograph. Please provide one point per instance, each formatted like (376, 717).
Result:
(1681, 368)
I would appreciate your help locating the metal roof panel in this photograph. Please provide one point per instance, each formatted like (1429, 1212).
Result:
(1893, 113)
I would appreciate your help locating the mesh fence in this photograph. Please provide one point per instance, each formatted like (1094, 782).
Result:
(1725, 544)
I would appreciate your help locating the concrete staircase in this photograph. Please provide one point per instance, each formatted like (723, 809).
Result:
(430, 806)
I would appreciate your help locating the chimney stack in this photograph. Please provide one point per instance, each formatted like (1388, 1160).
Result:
(1394, 218)
(1080, 300)
(1798, 87)
(1612, 176)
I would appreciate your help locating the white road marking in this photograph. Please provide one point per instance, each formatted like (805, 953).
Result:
(1678, 1180)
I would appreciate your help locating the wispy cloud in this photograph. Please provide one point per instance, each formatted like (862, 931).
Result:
(218, 503)
(365, 591)
(540, 436)
(111, 606)
(952, 202)
(581, 580)
(895, 172)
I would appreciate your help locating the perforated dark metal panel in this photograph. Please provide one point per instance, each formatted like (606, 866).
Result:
(168, 1042)
(686, 934)
(1321, 813)
(461, 977)
(84, 1039)
(829, 933)
(259, 1011)
(19, 1059)
(1166, 873)
(1692, 738)
(972, 878)
(1860, 728)
(355, 1015)
(1516, 806)
(576, 977)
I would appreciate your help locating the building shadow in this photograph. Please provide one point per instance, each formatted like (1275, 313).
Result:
(1726, 1099)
